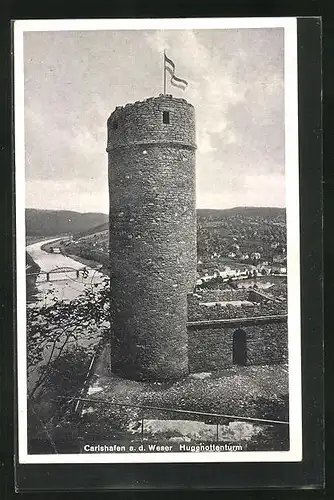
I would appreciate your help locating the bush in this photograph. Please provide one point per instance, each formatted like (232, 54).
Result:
(62, 337)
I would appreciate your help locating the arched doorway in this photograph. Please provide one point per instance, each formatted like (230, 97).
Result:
(239, 347)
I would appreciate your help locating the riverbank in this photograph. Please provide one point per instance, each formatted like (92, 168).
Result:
(32, 270)
(31, 239)
(86, 262)
(89, 263)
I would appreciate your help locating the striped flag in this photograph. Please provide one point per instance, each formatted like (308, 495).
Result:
(175, 81)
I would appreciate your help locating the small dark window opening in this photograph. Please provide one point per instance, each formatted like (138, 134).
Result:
(165, 117)
(114, 125)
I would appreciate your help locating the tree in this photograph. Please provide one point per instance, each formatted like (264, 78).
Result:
(62, 337)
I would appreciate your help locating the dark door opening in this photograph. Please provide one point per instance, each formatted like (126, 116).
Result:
(239, 347)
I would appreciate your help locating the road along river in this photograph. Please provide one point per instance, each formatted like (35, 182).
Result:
(65, 283)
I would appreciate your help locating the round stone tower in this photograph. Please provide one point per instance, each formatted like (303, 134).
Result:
(151, 162)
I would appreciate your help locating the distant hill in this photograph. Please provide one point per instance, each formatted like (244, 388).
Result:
(58, 222)
(92, 231)
(206, 214)
(265, 212)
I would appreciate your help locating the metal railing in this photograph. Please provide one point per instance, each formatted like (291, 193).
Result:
(222, 419)
(195, 416)
(220, 416)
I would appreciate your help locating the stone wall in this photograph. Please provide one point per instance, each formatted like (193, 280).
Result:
(211, 348)
(152, 236)
(219, 295)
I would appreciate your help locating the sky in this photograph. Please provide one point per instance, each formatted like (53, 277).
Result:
(73, 80)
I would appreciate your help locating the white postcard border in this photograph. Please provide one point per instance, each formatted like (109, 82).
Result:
(293, 235)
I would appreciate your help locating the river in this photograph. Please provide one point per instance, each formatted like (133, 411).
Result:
(65, 285)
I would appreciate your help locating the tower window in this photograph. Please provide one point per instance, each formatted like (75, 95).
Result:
(114, 125)
(165, 117)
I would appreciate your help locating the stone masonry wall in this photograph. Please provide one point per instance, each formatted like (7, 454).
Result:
(218, 295)
(211, 349)
(152, 236)
(141, 123)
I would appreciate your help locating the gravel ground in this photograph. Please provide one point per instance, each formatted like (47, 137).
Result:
(235, 390)
(253, 391)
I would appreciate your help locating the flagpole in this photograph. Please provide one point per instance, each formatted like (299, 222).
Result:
(164, 74)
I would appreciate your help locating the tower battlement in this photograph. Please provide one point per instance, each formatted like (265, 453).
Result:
(162, 119)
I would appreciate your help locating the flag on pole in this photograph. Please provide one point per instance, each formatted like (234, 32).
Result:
(175, 81)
